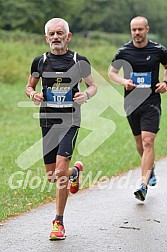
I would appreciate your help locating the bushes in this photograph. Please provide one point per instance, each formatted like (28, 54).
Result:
(19, 48)
(19, 35)
(93, 38)
(16, 56)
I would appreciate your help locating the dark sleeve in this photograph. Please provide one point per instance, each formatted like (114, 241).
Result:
(35, 72)
(118, 55)
(116, 62)
(85, 67)
(163, 55)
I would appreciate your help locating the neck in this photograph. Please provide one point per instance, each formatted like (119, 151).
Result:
(59, 51)
(140, 45)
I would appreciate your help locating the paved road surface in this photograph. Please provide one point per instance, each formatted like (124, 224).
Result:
(102, 219)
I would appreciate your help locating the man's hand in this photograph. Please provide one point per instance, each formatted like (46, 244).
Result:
(80, 97)
(161, 87)
(37, 98)
(128, 84)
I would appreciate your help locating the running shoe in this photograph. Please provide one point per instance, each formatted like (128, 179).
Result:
(141, 193)
(152, 181)
(75, 184)
(58, 231)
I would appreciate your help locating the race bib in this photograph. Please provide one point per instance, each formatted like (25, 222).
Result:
(142, 80)
(59, 98)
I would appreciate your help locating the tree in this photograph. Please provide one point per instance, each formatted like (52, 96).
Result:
(83, 15)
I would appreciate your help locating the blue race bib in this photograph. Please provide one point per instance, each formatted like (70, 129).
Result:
(142, 80)
(59, 97)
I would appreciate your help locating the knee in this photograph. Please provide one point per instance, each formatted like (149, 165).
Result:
(51, 177)
(60, 172)
(148, 142)
(62, 166)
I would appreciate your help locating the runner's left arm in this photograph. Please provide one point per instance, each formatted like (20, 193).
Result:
(162, 86)
(81, 97)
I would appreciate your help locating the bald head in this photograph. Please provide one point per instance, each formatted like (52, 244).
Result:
(139, 19)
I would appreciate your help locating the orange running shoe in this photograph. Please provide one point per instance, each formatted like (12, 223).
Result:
(58, 231)
(75, 184)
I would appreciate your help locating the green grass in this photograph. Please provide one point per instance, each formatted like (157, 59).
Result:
(19, 131)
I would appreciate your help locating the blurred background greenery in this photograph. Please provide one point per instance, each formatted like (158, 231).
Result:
(108, 16)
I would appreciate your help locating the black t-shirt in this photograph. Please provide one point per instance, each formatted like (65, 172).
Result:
(61, 63)
(142, 60)
(69, 67)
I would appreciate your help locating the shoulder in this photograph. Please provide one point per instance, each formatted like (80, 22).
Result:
(36, 62)
(124, 48)
(79, 56)
(38, 58)
(157, 46)
(84, 65)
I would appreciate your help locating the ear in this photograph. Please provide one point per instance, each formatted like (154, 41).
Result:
(148, 28)
(69, 36)
(46, 39)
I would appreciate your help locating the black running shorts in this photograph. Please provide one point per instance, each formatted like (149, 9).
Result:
(145, 118)
(58, 141)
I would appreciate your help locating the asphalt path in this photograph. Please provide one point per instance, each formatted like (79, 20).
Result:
(104, 218)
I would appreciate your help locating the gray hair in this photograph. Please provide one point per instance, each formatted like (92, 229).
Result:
(56, 20)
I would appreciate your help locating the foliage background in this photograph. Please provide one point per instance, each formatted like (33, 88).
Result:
(109, 16)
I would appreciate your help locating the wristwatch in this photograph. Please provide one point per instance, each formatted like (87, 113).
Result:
(88, 95)
(165, 81)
